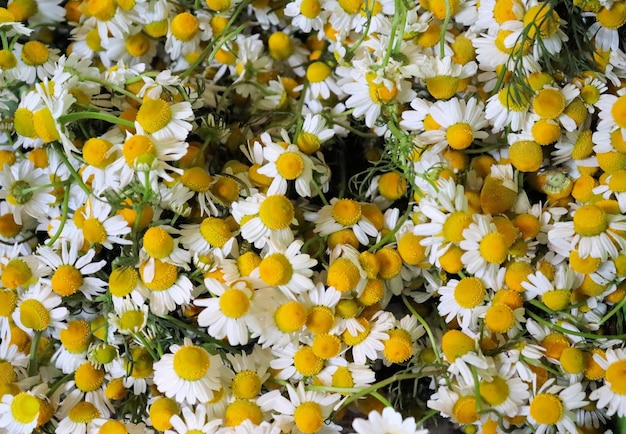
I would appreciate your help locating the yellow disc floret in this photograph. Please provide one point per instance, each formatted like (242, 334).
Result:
(546, 409)
(590, 220)
(234, 303)
(290, 317)
(191, 362)
(158, 243)
(276, 212)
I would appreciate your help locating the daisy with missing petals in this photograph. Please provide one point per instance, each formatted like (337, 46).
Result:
(306, 409)
(25, 189)
(551, 408)
(188, 373)
(342, 214)
(39, 308)
(158, 243)
(264, 218)
(70, 273)
(464, 300)
(212, 236)
(286, 268)
(554, 293)
(19, 413)
(485, 249)
(230, 313)
(99, 227)
(612, 394)
(385, 422)
(168, 288)
(286, 164)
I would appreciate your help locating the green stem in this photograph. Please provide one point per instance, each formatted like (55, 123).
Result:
(33, 365)
(391, 235)
(592, 336)
(613, 311)
(444, 29)
(196, 330)
(381, 398)
(112, 119)
(422, 321)
(61, 153)
(66, 198)
(111, 86)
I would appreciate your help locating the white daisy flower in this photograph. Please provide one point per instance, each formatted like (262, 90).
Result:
(39, 308)
(230, 313)
(133, 48)
(212, 236)
(168, 288)
(322, 82)
(386, 422)
(368, 343)
(78, 418)
(19, 413)
(158, 243)
(99, 227)
(163, 120)
(342, 214)
(464, 300)
(35, 60)
(188, 373)
(612, 395)
(307, 15)
(191, 420)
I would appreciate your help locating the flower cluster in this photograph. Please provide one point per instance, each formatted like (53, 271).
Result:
(312, 216)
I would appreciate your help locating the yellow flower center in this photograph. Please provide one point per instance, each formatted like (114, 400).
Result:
(380, 93)
(372, 293)
(290, 165)
(499, 318)
(343, 275)
(290, 317)
(310, 8)
(370, 264)
(76, 337)
(34, 315)
(546, 409)
(430, 37)
(248, 262)
(158, 243)
(618, 111)
(542, 18)
(7, 60)
(88, 378)
(234, 303)
(103, 10)
(122, 281)
(350, 6)
(554, 344)
(196, 179)
(83, 412)
(318, 71)
(464, 410)
(459, 136)
(35, 53)
(165, 275)
(592, 370)
(8, 301)
(7, 373)
(95, 152)
(104, 353)
(45, 126)
(138, 44)
(392, 185)
(545, 131)
(347, 308)
(590, 94)
(276, 212)
(191, 363)
(616, 377)
(141, 366)
(138, 149)
(493, 248)
(442, 86)
(276, 269)
(240, 410)
(306, 362)
(454, 226)
(184, 26)
(398, 348)
(572, 360)
(215, 231)
(225, 189)
(246, 385)
(513, 99)
(346, 212)
(557, 299)
(526, 155)
(612, 18)
(320, 319)
(161, 411)
(156, 29)
(16, 273)
(23, 123)
(342, 378)
(280, 46)
(126, 5)
(410, 249)
(390, 263)
(154, 114)
(495, 392)
(22, 10)
(113, 427)
(24, 408)
(308, 417)
(66, 280)
(469, 292)
(93, 231)
(308, 143)
(503, 10)
(326, 346)
(617, 181)
(132, 320)
(549, 103)
(590, 220)
(353, 340)
(438, 8)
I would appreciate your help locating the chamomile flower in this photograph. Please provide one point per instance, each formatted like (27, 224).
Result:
(505, 392)
(133, 48)
(230, 313)
(165, 121)
(554, 294)
(188, 373)
(129, 318)
(611, 113)
(284, 165)
(614, 186)
(464, 300)
(186, 31)
(36, 60)
(158, 243)
(19, 413)
(307, 15)
(458, 403)
(552, 407)
(39, 308)
(509, 107)
(99, 227)
(25, 189)
(213, 235)
(194, 420)
(612, 394)
(368, 342)
(286, 268)
(265, 218)
(386, 422)
(604, 31)
(78, 418)
(322, 81)
(307, 410)
(75, 340)
(343, 214)
(71, 273)
(168, 287)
